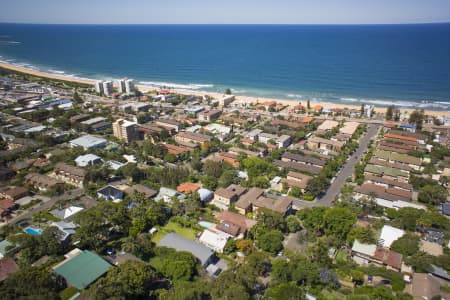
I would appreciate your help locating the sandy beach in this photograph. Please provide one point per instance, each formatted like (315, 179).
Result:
(249, 99)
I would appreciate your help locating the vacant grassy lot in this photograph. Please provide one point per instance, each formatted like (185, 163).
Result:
(188, 233)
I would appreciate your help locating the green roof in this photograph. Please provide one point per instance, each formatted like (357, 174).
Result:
(379, 170)
(83, 269)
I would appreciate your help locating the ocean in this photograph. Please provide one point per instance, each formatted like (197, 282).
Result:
(406, 65)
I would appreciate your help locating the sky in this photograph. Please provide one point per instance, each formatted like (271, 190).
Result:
(224, 11)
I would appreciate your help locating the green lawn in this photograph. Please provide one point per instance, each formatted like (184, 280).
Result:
(188, 233)
(341, 256)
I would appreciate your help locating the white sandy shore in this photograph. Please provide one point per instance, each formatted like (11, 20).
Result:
(144, 88)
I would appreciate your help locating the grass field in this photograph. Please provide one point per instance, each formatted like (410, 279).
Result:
(188, 233)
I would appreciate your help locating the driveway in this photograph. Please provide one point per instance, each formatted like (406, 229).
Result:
(346, 171)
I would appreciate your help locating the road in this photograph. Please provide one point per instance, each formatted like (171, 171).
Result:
(45, 205)
(346, 171)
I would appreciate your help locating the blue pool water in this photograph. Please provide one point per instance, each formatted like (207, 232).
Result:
(33, 231)
(206, 224)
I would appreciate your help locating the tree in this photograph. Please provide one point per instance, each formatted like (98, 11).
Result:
(228, 91)
(338, 222)
(317, 185)
(421, 262)
(130, 280)
(308, 104)
(417, 117)
(77, 98)
(213, 168)
(270, 241)
(228, 177)
(362, 110)
(32, 283)
(312, 218)
(433, 194)
(407, 245)
(363, 234)
(293, 224)
(284, 291)
(177, 265)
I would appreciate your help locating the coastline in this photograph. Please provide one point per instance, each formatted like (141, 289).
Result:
(249, 99)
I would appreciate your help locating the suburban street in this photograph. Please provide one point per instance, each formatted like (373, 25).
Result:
(46, 205)
(346, 171)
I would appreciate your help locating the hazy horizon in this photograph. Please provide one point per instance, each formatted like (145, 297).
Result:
(232, 12)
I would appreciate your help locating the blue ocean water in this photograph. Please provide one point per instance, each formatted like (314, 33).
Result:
(408, 65)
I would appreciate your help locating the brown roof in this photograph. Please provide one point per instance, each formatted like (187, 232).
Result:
(425, 286)
(400, 137)
(389, 182)
(62, 167)
(230, 191)
(303, 159)
(41, 180)
(380, 162)
(297, 166)
(5, 204)
(247, 199)
(198, 137)
(237, 219)
(16, 192)
(389, 257)
(280, 205)
(229, 228)
(381, 192)
(148, 192)
(276, 122)
(7, 266)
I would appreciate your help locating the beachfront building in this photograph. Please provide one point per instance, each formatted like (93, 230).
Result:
(124, 130)
(129, 86)
(99, 87)
(107, 88)
(121, 85)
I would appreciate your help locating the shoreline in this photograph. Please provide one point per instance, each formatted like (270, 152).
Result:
(249, 99)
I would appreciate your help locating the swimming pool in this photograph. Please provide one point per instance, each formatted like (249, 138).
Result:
(33, 231)
(206, 224)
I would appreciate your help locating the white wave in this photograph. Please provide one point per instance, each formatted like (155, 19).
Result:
(56, 71)
(349, 99)
(294, 96)
(189, 86)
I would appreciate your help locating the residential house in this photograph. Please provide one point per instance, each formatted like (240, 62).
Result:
(195, 138)
(316, 142)
(141, 189)
(81, 268)
(292, 157)
(254, 200)
(424, 286)
(88, 160)
(110, 193)
(373, 254)
(309, 169)
(327, 125)
(88, 142)
(7, 267)
(7, 206)
(214, 239)
(234, 224)
(13, 193)
(204, 255)
(208, 116)
(349, 128)
(389, 235)
(299, 180)
(66, 213)
(41, 182)
(166, 194)
(387, 172)
(171, 124)
(70, 174)
(224, 197)
(66, 229)
(188, 187)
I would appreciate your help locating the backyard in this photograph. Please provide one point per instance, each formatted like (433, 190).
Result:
(185, 232)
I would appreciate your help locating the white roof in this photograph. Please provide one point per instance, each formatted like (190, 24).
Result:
(114, 164)
(390, 234)
(85, 160)
(328, 125)
(366, 249)
(93, 120)
(88, 141)
(349, 128)
(214, 239)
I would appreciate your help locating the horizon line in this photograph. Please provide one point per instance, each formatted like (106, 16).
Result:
(229, 24)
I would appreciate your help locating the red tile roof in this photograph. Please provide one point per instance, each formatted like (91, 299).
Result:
(7, 266)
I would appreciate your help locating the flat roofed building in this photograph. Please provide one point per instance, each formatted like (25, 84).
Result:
(204, 255)
(223, 197)
(124, 130)
(328, 125)
(88, 142)
(70, 174)
(349, 128)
